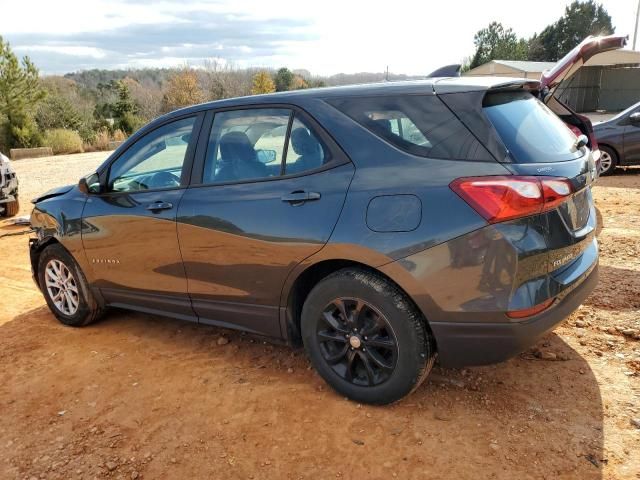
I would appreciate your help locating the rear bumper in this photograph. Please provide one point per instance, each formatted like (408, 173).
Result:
(466, 344)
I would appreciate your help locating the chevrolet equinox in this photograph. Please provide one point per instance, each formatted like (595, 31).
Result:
(380, 226)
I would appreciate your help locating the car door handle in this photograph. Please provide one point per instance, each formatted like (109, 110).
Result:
(299, 196)
(156, 206)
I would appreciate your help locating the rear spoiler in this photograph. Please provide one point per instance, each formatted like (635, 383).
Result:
(528, 85)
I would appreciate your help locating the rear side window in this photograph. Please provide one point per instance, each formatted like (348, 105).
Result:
(418, 124)
(529, 129)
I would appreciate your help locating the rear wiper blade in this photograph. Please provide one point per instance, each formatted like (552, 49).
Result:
(580, 142)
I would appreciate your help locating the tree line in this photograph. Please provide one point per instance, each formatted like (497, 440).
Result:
(88, 110)
(580, 19)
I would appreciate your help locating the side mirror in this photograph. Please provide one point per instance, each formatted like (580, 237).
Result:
(266, 156)
(634, 118)
(89, 184)
(82, 186)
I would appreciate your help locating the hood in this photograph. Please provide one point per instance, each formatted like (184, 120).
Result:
(576, 58)
(54, 192)
(5, 164)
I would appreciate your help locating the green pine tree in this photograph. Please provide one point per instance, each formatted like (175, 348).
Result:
(20, 92)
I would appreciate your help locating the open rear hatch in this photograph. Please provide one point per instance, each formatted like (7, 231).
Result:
(568, 65)
(566, 68)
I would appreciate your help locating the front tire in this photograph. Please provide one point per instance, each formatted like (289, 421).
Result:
(65, 288)
(608, 161)
(365, 338)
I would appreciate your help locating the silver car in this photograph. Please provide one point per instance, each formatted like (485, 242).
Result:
(9, 205)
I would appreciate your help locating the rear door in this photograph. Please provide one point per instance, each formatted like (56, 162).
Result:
(267, 194)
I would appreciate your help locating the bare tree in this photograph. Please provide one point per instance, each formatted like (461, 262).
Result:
(224, 80)
(148, 98)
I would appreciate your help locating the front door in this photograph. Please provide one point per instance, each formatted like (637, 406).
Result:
(129, 229)
(271, 192)
(632, 140)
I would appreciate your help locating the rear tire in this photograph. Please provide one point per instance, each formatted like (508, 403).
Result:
(365, 338)
(11, 209)
(608, 161)
(66, 289)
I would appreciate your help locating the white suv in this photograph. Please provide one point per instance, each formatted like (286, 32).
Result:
(9, 205)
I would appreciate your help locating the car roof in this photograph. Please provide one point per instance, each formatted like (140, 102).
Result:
(439, 85)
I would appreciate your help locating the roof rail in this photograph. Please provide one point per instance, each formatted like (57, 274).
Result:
(446, 71)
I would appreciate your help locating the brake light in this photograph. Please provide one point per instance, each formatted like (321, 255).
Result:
(500, 198)
(529, 312)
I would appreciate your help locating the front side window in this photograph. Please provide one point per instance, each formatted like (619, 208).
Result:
(154, 161)
(246, 145)
(418, 124)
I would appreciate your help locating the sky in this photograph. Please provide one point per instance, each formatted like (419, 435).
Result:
(323, 36)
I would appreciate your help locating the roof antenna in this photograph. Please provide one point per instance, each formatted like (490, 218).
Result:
(446, 71)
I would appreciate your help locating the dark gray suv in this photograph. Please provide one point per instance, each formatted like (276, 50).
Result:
(381, 226)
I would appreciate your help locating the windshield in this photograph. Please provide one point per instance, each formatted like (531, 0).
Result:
(624, 113)
(529, 129)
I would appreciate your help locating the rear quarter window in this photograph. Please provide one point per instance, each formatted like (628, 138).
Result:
(418, 124)
(529, 129)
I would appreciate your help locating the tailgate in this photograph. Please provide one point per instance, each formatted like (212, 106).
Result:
(571, 226)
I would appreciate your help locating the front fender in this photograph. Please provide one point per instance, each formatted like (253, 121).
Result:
(59, 219)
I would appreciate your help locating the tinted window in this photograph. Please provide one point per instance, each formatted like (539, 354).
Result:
(246, 145)
(305, 150)
(419, 124)
(153, 161)
(531, 132)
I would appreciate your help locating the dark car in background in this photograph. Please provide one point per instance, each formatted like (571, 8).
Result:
(378, 225)
(619, 140)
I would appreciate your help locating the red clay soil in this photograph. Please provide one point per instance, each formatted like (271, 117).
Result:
(139, 396)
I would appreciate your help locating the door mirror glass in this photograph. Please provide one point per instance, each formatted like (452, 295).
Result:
(266, 156)
(634, 118)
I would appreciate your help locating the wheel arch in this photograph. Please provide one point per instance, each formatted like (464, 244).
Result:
(315, 273)
(35, 250)
(614, 149)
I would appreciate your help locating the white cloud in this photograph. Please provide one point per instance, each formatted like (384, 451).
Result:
(78, 51)
(411, 36)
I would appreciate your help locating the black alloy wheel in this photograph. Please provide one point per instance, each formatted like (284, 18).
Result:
(357, 341)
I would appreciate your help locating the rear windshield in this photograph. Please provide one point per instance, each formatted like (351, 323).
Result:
(419, 124)
(531, 132)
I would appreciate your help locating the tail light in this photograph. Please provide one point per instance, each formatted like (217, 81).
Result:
(500, 198)
(529, 312)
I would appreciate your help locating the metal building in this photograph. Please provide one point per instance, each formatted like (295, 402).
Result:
(609, 81)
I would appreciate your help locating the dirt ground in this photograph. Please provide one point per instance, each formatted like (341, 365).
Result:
(139, 396)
